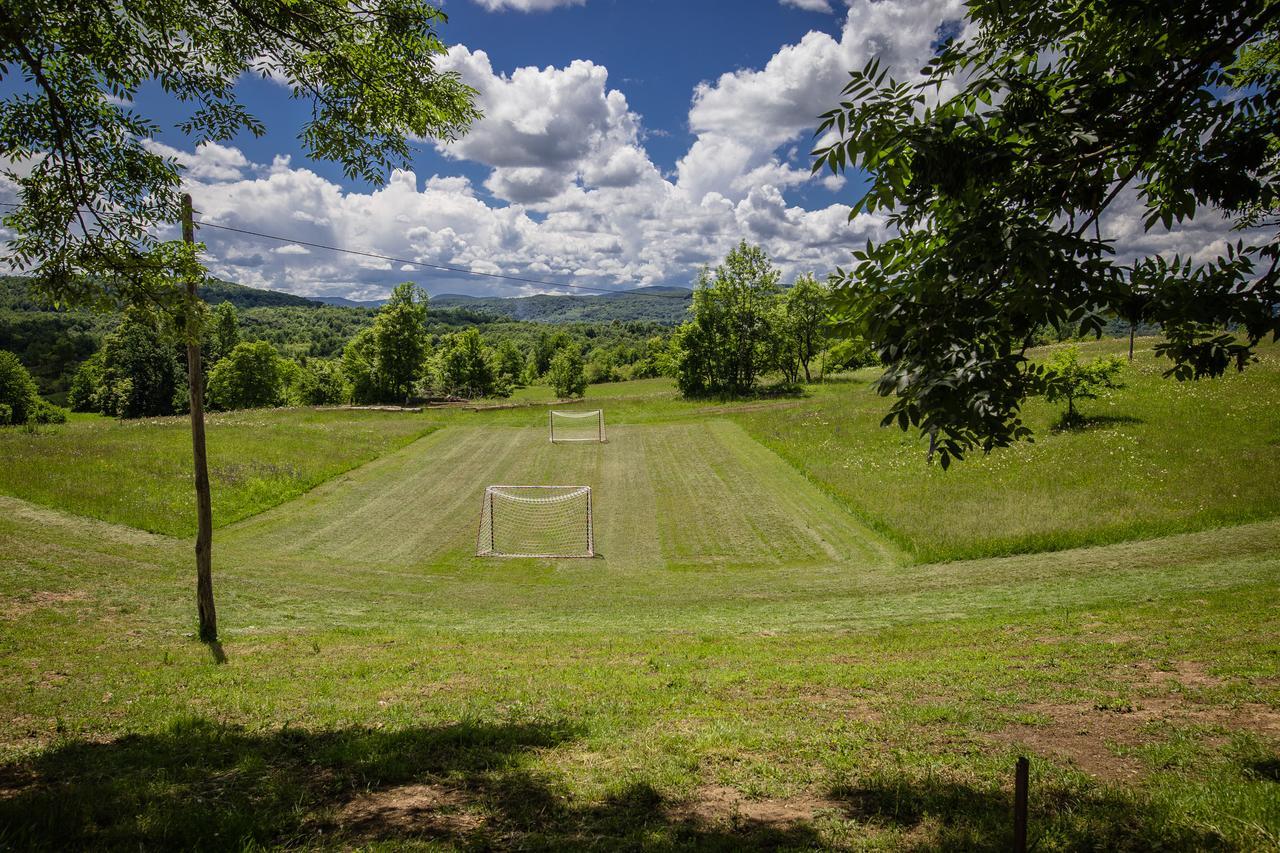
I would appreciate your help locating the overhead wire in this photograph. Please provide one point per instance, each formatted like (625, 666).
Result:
(428, 265)
(441, 267)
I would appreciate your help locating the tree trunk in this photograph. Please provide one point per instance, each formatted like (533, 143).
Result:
(1133, 330)
(204, 503)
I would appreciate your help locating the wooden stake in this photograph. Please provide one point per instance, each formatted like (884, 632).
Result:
(1020, 780)
(204, 502)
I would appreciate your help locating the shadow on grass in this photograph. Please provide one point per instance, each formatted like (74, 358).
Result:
(939, 814)
(215, 649)
(207, 785)
(1264, 768)
(1081, 423)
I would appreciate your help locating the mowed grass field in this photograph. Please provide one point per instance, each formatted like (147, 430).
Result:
(764, 655)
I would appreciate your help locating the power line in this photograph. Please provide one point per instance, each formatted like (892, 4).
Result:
(424, 264)
(442, 267)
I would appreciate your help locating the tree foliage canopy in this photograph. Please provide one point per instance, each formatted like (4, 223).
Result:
(248, 377)
(1003, 169)
(135, 374)
(1068, 379)
(400, 339)
(725, 345)
(91, 189)
(567, 374)
(465, 367)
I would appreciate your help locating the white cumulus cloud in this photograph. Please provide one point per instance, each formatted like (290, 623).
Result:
(810, 5)
(527, 5)
(571, 194)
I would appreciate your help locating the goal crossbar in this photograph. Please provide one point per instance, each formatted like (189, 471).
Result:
(577, 426)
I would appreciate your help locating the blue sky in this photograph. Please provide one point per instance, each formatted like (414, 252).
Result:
(656, 52)
(624, 144)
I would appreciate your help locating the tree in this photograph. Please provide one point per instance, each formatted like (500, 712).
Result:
(400, 340)
(545, 349)
(602, 366)
(805, 305)
(510, 363)
(140, 377)
(1003, 170)
(225, 332)
(19, 398)
(1070, 379)
(360, 365)
(248, 378)
(464, 366)
(567, 374)
(82, 396)
(92, 193)
(319, 383)
(725, 344)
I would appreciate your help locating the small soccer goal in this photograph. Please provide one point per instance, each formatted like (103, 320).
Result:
(577, 426)
(536, 521)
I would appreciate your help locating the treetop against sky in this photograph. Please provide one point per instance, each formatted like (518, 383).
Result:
(621, 145)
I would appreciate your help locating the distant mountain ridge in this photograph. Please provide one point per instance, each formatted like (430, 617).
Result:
(344, 302)
(665, 305)
(658, 304)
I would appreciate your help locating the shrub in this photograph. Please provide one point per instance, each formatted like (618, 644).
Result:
(319, 383)
(850, 354)
(47, 413)
(249, 377)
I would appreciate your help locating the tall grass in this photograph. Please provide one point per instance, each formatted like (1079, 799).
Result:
(1156, 457)
(139, 472)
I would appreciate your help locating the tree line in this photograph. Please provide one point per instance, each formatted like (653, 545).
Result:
(139, 369)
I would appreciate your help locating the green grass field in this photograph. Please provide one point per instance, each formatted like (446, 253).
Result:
(138, 473)
(767, 654)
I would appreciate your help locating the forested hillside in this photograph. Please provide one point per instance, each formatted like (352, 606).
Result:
(613, 332)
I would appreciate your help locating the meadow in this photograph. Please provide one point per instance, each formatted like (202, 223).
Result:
(1156, 457)
(797, 635)
(138, 473)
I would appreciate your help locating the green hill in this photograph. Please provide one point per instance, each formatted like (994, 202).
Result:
(665, 305)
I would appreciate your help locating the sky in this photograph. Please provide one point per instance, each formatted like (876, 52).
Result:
(623, 144)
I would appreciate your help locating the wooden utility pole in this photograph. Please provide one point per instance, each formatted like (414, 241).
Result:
(204, 502)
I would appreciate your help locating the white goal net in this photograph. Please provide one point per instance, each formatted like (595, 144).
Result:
(577, 426)
(536, 521)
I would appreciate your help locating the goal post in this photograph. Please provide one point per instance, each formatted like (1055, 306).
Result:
(577, 426)
(536, 521)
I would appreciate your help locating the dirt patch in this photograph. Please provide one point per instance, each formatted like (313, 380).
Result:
(1091, 737)
(1085, 738)
(1188, 673)
(410, 810)
(718, 804)
(38, 600)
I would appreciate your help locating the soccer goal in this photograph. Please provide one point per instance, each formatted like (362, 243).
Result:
(577, 426)
(536, 521)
